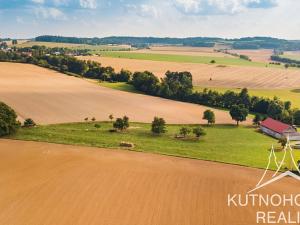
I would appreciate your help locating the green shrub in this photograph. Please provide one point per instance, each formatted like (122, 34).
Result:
(199, 131)
(8, 120)
(184, 131)
(158, 126)
(121, 123)
(29, 123)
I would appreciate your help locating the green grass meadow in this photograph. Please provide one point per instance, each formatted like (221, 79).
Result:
(121, 86)
(223, 143)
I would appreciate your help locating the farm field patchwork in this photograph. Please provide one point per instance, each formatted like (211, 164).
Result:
(249, 148)
(181, 58)
(49, 97)
(93, 48)
(60, 184)
(212, 75)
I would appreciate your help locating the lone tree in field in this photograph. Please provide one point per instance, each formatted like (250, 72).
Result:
(86, 119)
(29, 123)
(239, 113)
(158, 126)
(185, 131)
(8, 120)
(93, 119)
(111, 117)
(199, 131)
(257, 119)
(121, 123)
(209, 115)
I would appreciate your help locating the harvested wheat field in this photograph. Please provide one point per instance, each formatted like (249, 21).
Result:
(58, 184)
(259, 55)
(49, 97)
(213, 75)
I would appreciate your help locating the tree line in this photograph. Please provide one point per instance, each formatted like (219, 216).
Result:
(179, 86)
(56, 59)
(289, 62)
(175, 85)
(241, 43)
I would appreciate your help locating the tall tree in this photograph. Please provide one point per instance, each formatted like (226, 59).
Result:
(209, 115)
(239, 113)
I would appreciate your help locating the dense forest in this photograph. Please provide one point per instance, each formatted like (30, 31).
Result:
(242, 43)
(175, 85)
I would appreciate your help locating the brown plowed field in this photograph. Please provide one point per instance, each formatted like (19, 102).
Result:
(49, 184)
(50, 97)
(229, 76)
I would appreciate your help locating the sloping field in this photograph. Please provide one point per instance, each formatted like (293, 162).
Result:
(50, 97)
(55, 184)
(228, 76)
(259, 55)
(183, 50)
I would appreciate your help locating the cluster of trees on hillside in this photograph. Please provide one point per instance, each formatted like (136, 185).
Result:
(8, 120)
(242, 43)
(289, 62)
(47, 58)
(178, 86)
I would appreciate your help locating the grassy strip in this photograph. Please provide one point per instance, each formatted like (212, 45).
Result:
(120, 86)
(223, 143)
(184, 58)
(292, 95)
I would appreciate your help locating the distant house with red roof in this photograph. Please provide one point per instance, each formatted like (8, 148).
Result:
(279, 130)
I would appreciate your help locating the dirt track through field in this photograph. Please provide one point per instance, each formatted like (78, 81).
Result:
(50, 97)
(213, 75)
(49, 184)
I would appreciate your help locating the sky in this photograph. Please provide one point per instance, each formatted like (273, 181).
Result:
(161, 18)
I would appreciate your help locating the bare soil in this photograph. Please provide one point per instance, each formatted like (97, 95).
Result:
(51, 184)
(49, 97)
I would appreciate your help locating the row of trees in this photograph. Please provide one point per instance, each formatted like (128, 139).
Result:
(179, 86)
(49, 58)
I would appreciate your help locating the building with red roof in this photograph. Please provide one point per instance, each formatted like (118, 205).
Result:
(279, 130)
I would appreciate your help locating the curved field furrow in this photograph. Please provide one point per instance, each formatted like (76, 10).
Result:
(56, 184)
(50, 97)
(229, 76)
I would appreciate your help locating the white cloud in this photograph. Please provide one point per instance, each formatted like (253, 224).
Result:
(88, 4)
(49, 13)
(60, 2)
(38, 1)
(220, 6)
(143, 10)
